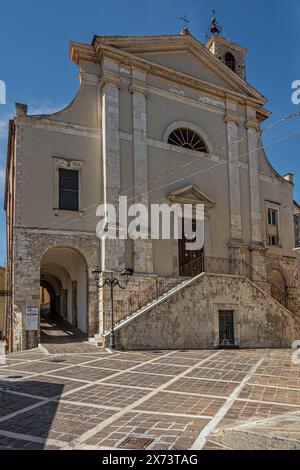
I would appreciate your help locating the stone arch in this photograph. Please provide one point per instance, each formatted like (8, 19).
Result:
(193, 127)
(278, 285)
(31, 247)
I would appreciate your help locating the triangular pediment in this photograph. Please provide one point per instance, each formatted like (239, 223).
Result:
(190, 195)
(185, 55)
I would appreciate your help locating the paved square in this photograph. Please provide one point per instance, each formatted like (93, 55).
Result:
(80, 397)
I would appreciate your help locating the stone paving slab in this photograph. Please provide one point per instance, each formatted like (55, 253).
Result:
(203, 387)
(10, 403)
(178, 361)
(138, 379)
(271, 394)
(12, 374)
(242, 412)
(69, 359)
(287, 372)
(167, 432)
(57, 421)
(284, 382)
(80, 397)
(177, 403)
(8, 443)
(227, 365)
(84, 373)
(42, 386)
(108, 395)
(36, 367)
(213, 374)
(161, 369)
(115, 364)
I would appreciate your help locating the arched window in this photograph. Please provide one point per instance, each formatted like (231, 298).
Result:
(68, 189)
(230, 61)
(188, 139)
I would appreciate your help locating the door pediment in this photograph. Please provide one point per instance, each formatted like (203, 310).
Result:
(191, 195)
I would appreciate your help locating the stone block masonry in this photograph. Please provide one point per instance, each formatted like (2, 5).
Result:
(190, 318)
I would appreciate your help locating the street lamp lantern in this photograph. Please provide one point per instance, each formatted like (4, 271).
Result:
(127, 273)
(111, 282)
(96, 273)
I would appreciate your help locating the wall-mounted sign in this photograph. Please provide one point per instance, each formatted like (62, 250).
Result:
(32, 319)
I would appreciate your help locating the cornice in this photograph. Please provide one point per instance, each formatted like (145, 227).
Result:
(82, 52)
(174, 43)
(127, 59)
(225, 42)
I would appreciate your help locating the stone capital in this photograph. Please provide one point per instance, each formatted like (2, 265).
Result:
(252, 124)
(89, 78)
(109, 78)
(139, 88)
(232, 118)
(257, 246)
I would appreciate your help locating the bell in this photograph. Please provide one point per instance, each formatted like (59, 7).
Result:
(214, 27)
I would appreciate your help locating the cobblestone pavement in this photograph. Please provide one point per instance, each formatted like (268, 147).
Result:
(85, 398)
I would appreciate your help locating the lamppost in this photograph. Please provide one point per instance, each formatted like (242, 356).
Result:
(111, 282)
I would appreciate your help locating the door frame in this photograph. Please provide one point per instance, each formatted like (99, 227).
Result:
(236, 323)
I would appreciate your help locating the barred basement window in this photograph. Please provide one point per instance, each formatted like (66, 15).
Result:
(188, 139)
(230, 61)
(68, 190)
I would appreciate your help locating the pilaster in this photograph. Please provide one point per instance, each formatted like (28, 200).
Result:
(113, 251)
(143, 248)
(252, 127)
(232, 122)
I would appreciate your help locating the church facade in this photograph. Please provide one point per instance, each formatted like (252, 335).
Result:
(161, 120)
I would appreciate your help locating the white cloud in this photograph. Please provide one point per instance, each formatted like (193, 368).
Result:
(46, 108)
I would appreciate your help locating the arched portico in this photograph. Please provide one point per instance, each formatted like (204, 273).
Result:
(63, 273)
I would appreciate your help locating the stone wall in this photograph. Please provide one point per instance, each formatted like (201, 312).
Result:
(288, 267)
(189, 319)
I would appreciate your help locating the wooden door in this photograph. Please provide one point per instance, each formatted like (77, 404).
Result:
(191, 262)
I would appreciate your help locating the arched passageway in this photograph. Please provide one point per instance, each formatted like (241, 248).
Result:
(63, 288)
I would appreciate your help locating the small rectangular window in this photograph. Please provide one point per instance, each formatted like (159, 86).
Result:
(272, 217)
(274, 240)
(68, 190)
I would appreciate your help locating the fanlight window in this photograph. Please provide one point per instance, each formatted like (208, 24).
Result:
(188, 139)
(230, 61)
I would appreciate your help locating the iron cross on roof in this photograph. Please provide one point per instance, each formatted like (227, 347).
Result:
(185, 19)
(185, 30)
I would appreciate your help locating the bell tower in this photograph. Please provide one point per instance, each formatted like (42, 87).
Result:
(228, 52)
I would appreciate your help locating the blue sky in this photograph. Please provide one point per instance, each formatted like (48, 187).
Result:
(34, 62)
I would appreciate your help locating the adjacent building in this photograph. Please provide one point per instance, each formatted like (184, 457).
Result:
(2, 301)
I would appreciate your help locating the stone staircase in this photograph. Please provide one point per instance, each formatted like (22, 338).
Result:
(150, 305)
(171, 320)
